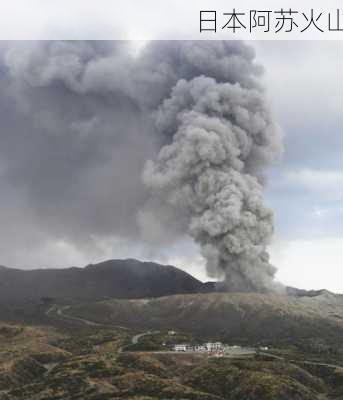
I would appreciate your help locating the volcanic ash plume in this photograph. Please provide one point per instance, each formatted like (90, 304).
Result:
(209, 175)
(81, 119)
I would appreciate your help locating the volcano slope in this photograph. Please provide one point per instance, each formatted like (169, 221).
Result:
(243, 317)
(46, 364)
(67, 359)
(89, 363)
(74, 360)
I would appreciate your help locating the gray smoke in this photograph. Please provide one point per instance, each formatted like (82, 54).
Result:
(209, 175)
(81, 119)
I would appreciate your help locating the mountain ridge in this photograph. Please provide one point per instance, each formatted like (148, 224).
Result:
(116, 278)
(128, 278)
(226, 316)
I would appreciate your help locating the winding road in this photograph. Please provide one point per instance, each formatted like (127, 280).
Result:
(58, 311)
(135, 339)
(306, 362)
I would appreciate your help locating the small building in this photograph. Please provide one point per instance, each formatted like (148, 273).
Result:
(171, 333)
(212, 347)
(200, 348)
(180, 347)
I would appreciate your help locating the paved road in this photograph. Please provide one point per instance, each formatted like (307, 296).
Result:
(316, 363)
(335, 366)
(272, 356)
(196, 353)
(135, 339)
(59, 311)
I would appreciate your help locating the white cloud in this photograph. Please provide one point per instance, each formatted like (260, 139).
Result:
(303, 80)
(310, 264)
(326, 185)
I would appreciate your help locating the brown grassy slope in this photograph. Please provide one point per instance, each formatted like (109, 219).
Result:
(251, 317)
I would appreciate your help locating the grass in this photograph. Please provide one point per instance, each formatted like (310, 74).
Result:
(70, 360)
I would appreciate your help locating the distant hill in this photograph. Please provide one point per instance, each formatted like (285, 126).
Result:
(146, 295)
(233, 316)
(114, 278)
(121, 279)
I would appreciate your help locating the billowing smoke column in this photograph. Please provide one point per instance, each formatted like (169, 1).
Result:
(222, 138)
(80, 120)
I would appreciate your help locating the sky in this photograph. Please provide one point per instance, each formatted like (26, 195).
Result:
(304, 187)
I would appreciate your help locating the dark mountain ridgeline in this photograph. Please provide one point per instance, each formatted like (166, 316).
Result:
(114, 278)
(122, 279)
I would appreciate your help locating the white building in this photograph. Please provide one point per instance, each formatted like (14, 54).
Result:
(212, 347)
(200, 348)
(180, 347)
(207, 347)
